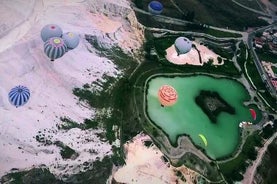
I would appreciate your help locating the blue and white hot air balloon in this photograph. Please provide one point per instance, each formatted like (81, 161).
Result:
(54, 48)
(49, 31)
(19, 95)
(71, 40)
(155, 7)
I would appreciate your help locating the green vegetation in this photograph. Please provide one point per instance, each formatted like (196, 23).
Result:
(98, 173)
(266, 56)
(252, 4)
(66, 152)
(212, 104)
(223, 52)
(220, 34)
(232, 169)
(209, 170)
(35, 175)
(254, 74)
(268, 131)
(274, 2)
(161, 44)
(274, 69)
(255, 77)
(267, 170)
(218, 13)
(68, 124)
(211, 12)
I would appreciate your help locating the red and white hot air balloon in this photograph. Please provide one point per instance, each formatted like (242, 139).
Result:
(167, 95)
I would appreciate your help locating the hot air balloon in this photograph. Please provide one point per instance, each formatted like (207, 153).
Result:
(182, 45)
(49, 31)
(19, 95)
(203, 139)
(155, 7)
(71, 40)
(54, 48)
(167, 95)
(253, 114)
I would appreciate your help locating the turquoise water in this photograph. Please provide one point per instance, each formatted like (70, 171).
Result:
(185, 117)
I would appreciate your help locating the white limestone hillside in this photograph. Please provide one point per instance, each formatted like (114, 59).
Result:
(23, 62)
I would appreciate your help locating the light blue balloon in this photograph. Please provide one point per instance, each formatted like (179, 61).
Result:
(71, 40)
(54, 48)
(182, 45)
(49, 31)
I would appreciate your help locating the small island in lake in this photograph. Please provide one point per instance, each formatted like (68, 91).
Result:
(212, 104)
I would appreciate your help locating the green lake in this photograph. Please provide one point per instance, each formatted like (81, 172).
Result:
(186, 117)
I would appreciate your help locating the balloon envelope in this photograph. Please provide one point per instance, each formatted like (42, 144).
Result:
(19, 95)
(182, 45)
(54, 48)
(155, 7)
(167, 95)
(71, 40)
(203, 139)
(49, 31)
(253, 114)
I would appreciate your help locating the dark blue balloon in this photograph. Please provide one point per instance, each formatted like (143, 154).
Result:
(19, 95)
(155, 7)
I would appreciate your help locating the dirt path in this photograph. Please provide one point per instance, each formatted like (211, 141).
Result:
(251, 170)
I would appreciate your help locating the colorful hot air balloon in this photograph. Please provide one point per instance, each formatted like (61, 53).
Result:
(54, 48)
(182, 45)
(19, 95)
(49, 31)
(155, 7)
(253, 114)
(71, 40)
(167, 95)
(203, 139)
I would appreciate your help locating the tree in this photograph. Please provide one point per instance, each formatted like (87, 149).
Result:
(236, 176)
(139, 4)
(267, 131)
(259, 34)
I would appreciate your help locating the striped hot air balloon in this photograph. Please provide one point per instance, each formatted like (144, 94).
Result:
(54, 48)
(19, 95)
(71, 40)
(49, 31)
(167, 95)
